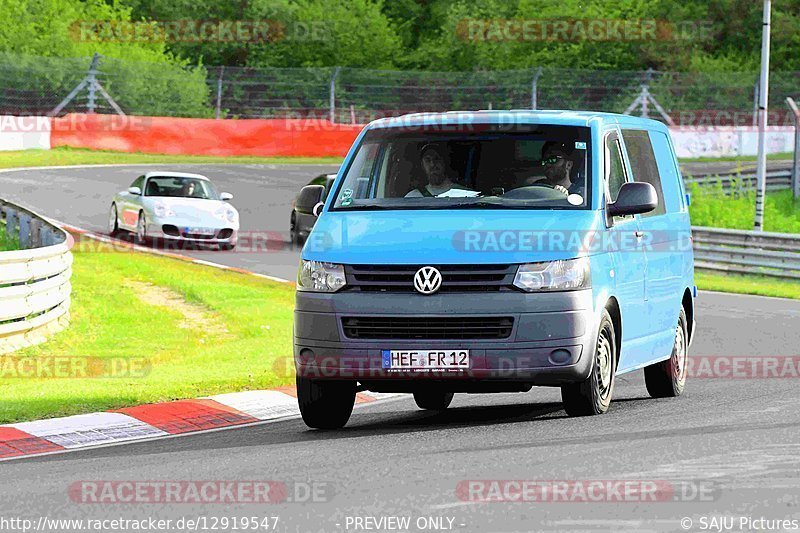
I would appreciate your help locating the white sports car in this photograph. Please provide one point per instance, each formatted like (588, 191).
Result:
(175, 206)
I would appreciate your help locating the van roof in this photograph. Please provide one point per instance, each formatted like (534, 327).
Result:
(499, 116)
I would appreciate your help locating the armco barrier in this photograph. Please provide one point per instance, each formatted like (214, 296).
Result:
(199, 136)
(747, 252)
(34, 280)
(776, 180)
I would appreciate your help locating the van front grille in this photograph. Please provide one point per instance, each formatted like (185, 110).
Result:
(408, 327)
(455, 278)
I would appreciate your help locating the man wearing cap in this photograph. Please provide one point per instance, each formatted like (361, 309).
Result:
(434, 162)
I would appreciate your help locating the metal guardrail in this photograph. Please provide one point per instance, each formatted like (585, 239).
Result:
(34, 280)
(747, 252)
(776, 180)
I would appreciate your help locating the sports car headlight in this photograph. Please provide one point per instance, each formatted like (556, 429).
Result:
(562, 275)
(317, 276)
(162, 211)
(226, 213)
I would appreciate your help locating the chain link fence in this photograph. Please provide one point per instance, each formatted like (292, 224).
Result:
(37, 85)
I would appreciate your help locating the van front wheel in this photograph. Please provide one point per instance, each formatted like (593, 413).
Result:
(667, 379)
(592, 396)
(325, 404)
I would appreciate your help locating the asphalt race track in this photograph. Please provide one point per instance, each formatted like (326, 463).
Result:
(730, 444)
(734, 440)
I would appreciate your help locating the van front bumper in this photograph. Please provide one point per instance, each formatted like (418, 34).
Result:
(552, 340)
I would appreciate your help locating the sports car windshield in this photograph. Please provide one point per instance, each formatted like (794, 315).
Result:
(483, 167)
(172, 187)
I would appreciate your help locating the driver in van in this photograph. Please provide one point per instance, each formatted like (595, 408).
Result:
(434, 162)
(558, 163)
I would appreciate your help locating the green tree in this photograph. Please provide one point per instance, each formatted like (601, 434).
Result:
(142, 76)
(321, 33)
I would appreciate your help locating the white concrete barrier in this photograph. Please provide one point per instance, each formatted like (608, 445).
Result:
(721, 141)
(25, 133)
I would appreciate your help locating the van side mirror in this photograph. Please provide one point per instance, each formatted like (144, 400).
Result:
(225, 196)
(309, 197)
(633, 199)
(135, 190)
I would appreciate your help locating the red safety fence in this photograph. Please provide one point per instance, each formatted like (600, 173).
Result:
(200, 136)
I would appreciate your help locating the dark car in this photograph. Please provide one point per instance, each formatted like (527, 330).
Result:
(303, 218)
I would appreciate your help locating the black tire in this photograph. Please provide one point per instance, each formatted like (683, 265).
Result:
(433, 400)
(325, 404)
(113, 221)
(227, 247)
(294, 238)
(667, 379)
(140, 237)
(592, 396)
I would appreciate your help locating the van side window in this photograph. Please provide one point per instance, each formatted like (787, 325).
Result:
(643, 164)
(615, 170)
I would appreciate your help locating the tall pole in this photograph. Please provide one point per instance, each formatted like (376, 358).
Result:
(796, 158)
(535, 89)
(332, 95)
(218, 110)
(763, 92)
(91, 78)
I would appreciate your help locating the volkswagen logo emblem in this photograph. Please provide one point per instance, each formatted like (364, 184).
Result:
(427, 280)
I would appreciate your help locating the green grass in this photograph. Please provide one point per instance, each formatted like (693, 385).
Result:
(7, 244)
(77, 156)
(711, 206)
(188, 360)
(743, 158)
(747, 284)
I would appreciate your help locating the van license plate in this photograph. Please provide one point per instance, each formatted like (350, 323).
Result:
(425, 359)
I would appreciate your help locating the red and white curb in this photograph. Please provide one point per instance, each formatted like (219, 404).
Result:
(152, 421)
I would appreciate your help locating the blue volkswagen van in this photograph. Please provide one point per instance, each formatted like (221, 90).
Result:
(495, 251)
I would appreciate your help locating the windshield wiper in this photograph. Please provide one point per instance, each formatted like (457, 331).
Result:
(364, 206)
(480, 205)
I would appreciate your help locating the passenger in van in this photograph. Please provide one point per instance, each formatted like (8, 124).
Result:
(559, 163)
(434, 161)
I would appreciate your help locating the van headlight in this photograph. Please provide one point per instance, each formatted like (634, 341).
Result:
(317, 276)
(561, 275)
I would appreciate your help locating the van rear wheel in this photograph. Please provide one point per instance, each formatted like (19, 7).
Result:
(592, 396)
(667, 379)
(433, 400)
(325, 404)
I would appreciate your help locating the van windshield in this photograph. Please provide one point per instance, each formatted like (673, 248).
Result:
(483, 167)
